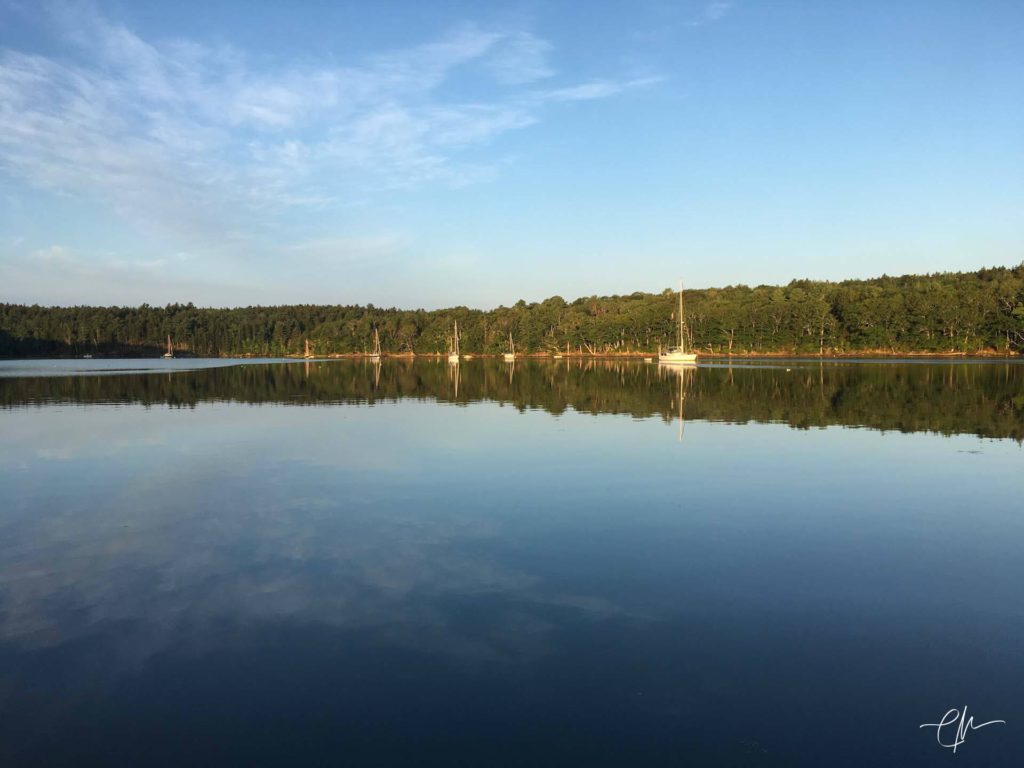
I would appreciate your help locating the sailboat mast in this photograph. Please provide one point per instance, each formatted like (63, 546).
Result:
(681, 314)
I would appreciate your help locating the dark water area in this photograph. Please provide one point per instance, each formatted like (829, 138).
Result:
(559, 562)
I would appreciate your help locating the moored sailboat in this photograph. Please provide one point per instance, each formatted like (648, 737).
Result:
(375, 355)
(453, 345)
(681, 354)
(510, 356)
(170, 348)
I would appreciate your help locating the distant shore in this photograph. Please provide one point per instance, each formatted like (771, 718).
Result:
(942, 315)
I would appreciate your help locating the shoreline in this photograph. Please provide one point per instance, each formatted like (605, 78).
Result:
(717, 356)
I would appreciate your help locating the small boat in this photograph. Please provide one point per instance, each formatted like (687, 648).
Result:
(309, 352)
(510, 356)
(453, 345)
(169, 354)
(375, 355)
(87, 357)
(679, 355)
(648, 359)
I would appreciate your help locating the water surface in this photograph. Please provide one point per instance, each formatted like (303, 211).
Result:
(551, 563)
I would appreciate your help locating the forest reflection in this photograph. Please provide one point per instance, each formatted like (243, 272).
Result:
(980, 398)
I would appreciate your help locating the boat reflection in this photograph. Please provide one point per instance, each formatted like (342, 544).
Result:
(684, 374)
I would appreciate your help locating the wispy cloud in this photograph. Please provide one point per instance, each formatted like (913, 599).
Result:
(201, 143)
(599, 89)
(712, 12)
(522, 58)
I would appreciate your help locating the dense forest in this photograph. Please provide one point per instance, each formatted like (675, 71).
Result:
(967, 312)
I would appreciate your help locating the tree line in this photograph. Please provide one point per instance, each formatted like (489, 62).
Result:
(965, 312)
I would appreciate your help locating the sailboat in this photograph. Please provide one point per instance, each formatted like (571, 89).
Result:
(511, 354)
(375, 355)
(309, 352)
(453, 347)
(170, 349)
(679, 355)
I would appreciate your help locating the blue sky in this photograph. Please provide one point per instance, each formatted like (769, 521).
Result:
(425, 154)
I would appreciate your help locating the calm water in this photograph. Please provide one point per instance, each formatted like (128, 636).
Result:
(337, 563)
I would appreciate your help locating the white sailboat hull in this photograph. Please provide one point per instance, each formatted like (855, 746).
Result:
(678, 358)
